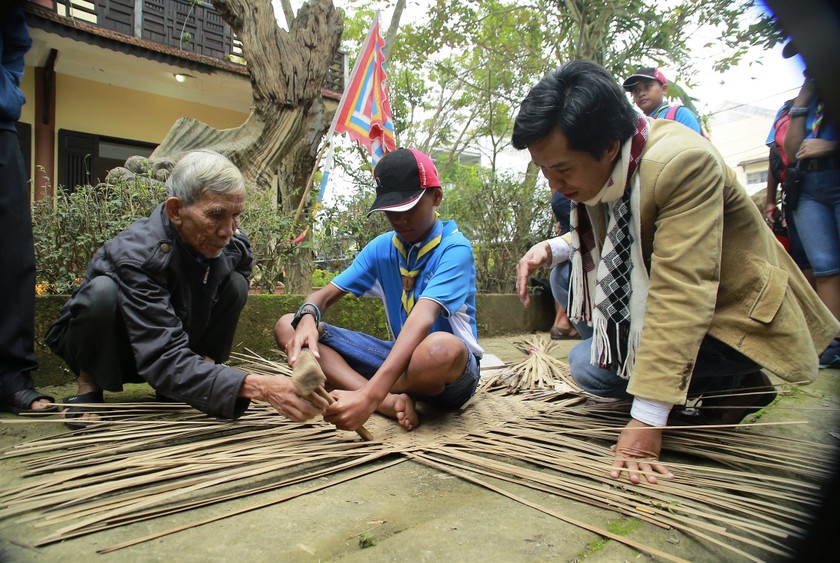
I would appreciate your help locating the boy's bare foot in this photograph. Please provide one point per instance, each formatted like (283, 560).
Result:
(400, 407)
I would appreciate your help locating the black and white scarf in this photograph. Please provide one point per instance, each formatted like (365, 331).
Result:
(613, 279)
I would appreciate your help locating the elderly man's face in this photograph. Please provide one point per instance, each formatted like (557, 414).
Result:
(208, 224)
(576, 174)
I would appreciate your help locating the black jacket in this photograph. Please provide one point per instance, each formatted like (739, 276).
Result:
(165, 297)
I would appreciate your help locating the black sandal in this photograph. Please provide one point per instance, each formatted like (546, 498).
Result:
(77, 412)
(21, 402)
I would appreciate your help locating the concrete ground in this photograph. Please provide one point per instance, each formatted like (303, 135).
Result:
(404, 512)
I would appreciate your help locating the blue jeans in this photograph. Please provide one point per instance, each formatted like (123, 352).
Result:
(818, 220)
(719, 368)
(797, 251)
(365, 354)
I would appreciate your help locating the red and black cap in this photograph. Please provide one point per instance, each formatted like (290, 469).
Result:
(401, 176)
(644, 73)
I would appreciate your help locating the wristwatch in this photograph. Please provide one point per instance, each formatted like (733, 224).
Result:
(798, 112)
(307, 309)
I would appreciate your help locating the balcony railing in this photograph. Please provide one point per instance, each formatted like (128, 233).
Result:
(182, 24)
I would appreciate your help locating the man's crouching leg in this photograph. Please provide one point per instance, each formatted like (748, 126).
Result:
(97, 347)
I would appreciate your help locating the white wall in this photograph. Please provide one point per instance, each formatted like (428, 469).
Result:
(739, 132)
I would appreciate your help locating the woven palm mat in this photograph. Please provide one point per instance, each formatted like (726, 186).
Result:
(152, 460)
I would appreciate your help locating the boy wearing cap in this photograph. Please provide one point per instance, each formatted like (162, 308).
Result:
(423, 270)
(648, 88)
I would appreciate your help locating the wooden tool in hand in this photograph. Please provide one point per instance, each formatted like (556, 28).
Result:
(309, 378)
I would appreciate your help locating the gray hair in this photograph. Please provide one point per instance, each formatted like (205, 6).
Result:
(203, 171)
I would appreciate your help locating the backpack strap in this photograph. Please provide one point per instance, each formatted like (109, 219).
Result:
(672, 113)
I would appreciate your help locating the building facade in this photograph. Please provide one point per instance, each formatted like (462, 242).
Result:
(107, 79)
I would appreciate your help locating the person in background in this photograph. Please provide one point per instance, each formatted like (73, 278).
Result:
(559, 278)
(17, 252)
(778, 163)
(813, 147)
(649, 88)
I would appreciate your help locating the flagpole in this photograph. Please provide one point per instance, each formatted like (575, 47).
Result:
(308, 187)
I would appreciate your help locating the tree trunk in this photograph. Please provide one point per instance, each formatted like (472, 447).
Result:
(277, 145)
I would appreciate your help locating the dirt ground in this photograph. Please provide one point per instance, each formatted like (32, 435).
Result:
(407, 511)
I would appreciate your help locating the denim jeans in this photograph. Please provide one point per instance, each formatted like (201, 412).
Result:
(365, 354)
(818, 220)
(719, 368)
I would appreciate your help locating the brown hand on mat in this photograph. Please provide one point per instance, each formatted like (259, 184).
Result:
(637, 451)
(309, 379)
(350, 410)
(285, 397)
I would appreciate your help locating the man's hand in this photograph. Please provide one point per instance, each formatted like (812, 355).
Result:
(538, 256)
(351, 409)
(306, 336)
(637, 450)
(816, 148)
(282, 394)
(772, 213)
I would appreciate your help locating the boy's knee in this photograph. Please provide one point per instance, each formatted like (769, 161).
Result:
(443, 349)
(283, 330)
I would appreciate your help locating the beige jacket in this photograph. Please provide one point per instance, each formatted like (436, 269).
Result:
(715, 268)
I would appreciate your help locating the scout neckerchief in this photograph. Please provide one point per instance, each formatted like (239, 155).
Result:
(619, 292)
(818, 119)
(662, 107)
(411, 268)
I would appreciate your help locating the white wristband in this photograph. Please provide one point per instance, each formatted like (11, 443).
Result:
(560, 250)
(652, 413)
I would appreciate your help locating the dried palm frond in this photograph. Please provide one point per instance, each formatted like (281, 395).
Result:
(538, 371)
(151, 462)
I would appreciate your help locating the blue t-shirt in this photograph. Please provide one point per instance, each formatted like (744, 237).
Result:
(683, 115)
(447, 277)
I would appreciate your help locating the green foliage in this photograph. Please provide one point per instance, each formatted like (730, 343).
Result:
(320, 277)
(366, 540)
(343, 228)
(501, 216)
(458, 75)
(69, 230)
(272, 235)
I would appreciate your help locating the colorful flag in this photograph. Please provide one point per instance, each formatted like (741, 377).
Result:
(364, 112)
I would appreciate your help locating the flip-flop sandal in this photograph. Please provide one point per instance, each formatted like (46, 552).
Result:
(71, 413)
(21, 402)
(558, 333)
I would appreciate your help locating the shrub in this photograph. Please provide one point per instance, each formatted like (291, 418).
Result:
(272, 233)
(70, 228)
(320, 278)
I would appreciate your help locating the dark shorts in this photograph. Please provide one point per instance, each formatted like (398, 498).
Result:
(365, 354)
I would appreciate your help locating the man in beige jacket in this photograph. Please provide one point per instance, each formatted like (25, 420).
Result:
(678, 287)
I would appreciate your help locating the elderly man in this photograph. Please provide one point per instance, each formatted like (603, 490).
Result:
(678, 287)
(160, 303)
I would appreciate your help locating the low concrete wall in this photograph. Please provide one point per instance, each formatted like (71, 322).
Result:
(497, 315)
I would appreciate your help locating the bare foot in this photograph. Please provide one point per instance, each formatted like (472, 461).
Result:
(80, 420)
(401, 407)
(40, 404)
